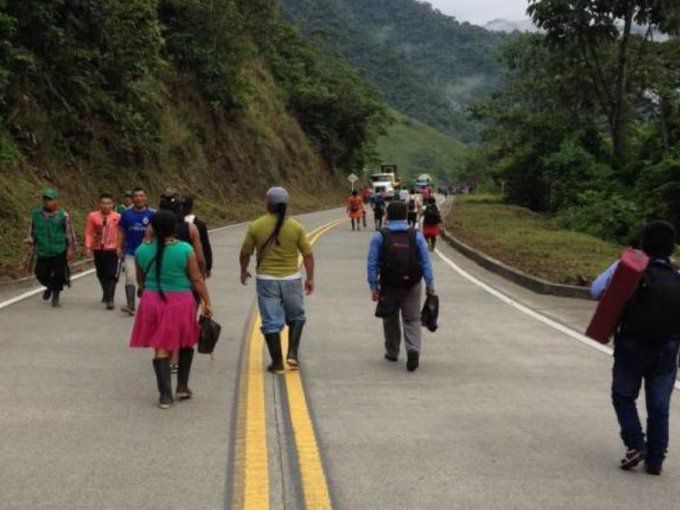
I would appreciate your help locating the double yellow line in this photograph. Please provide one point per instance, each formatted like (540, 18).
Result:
(251, 462)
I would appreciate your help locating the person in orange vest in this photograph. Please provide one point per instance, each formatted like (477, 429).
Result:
(355, 209)
(102, 240)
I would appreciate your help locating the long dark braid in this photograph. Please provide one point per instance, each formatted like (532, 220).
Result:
(164, 224)
(280, 210)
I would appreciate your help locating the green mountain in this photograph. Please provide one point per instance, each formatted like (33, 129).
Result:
(220, 99)
(417, 148)
(428, 65)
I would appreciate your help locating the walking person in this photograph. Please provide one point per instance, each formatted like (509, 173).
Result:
(167, 271)
(279, 241)
(202, 227)
(366, 196)
(355, 209)
(125, 204)
(52, 241)
(413, 211)
(398, 260)
(378, 210)
(432, 223)
(133, 224)
(646, 349)
(102, 233)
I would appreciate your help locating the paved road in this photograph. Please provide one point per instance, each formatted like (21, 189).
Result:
(506, 412)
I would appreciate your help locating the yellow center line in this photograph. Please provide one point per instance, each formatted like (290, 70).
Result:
(252, 479)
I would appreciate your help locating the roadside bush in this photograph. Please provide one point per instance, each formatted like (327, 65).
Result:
(659, 185)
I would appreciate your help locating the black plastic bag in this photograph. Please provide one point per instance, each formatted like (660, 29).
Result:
(388, 307)
(430, 314)
(209, 335)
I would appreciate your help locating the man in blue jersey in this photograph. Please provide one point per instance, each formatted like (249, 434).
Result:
(133, 224)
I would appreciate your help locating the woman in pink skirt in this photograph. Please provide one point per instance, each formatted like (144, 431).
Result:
(432, 222)
(167, 270)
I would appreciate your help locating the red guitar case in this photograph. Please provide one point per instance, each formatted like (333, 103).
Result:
(621, 289)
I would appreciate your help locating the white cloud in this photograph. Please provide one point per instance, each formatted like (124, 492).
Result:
(480, 12)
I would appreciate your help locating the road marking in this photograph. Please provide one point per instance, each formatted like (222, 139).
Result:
(251, 478)
(529, 311)
(39, 290)
(256, 467)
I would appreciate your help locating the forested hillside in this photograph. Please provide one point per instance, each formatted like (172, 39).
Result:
(587, 129)
(428, 65)
(221, 98)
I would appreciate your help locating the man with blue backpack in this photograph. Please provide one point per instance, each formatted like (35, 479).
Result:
(646, 349)
(398, 261)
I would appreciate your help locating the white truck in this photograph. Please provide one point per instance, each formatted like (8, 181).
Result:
(385, 181)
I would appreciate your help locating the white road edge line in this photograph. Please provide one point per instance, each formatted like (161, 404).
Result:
(528, 311)
(35, 292)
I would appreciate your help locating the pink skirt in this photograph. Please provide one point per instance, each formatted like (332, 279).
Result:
(168, 325)
(430, 231)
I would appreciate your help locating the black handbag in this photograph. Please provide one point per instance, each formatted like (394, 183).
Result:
(209, 335)
(388, 307)
(430, 314)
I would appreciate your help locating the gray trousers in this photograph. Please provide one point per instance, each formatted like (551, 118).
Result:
(410, 302)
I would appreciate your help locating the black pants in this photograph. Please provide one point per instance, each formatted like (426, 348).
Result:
(412, 219)
(106, 262)
(51, 271)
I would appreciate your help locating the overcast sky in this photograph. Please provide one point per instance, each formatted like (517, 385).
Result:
(480, 12)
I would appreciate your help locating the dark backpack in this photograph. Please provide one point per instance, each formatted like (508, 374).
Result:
(432, 216)
(653, 313)
(400, 266)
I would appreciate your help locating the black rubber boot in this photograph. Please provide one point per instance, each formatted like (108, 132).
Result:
(47, 294)
(55, 299)
(130, 292)
(109, 294)
(162, 368)
(294, 335)
(186, 357)
(274, 345)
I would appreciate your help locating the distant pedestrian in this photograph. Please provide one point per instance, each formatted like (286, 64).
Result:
(379, 210)
(202, 227)
(355, 209)
(398, 261)
(646, 349)
(52, 240)
(279, 241)
(366, 196)
(413, 211)
(432, 223)
(167, 271)
(125, 204)
(133, 225)
(102, 240)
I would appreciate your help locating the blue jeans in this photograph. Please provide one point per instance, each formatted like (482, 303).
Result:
(657, 365)
(281, 303)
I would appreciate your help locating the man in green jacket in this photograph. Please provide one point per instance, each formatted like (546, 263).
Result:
(52, 241)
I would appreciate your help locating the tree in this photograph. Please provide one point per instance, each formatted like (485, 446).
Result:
(588, 26)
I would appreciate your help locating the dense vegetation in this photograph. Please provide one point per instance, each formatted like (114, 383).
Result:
(587, 127)
(428, 65)
(222, 97)
(417, 148)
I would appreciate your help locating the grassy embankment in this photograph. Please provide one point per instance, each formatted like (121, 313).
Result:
(417, 148)
(226, 164)
(529, 241)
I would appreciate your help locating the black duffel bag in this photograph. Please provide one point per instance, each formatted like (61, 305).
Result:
(209, 335)
(430, 314)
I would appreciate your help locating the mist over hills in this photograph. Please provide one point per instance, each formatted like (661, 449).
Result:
(427, 64)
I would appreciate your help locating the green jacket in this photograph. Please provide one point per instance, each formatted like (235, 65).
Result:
(49, 233)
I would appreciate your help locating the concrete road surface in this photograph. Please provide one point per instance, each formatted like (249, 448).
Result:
(506, 411)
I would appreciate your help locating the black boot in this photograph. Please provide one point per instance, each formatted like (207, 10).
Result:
(47, 294)
(109, 292)
(55, 299)
(186, 357)
(274, 345)
(130, 295)
(294, 336)
(162, 368)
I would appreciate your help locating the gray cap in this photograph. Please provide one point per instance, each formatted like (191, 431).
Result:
(278, 195)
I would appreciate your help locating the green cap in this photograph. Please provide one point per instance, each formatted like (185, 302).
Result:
(50, 193)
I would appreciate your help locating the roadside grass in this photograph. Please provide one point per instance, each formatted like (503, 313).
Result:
(417, 148)
(528, 241)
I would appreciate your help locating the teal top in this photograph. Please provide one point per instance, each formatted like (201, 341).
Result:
(174, 270)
